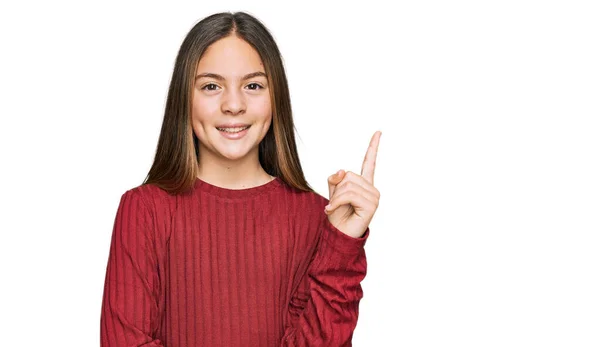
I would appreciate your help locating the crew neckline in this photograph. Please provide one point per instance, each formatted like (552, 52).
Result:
(228, 193)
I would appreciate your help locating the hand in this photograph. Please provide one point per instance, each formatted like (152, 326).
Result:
(353, 199)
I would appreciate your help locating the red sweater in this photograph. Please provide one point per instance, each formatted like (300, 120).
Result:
(260, 266)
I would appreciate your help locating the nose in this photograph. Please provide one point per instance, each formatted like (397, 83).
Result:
(233, 102)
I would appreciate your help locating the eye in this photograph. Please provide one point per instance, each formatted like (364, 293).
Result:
(210, 84)
(258, 86)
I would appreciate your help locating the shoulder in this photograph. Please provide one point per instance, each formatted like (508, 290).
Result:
(149, 194)
(155, 201)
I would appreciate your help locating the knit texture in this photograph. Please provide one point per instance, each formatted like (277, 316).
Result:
(260, 266)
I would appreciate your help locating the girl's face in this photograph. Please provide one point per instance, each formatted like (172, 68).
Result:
(230, 90)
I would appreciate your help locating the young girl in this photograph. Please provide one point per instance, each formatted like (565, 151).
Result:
(225, 243)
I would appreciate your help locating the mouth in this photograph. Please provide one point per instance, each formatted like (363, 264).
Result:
(232, 130)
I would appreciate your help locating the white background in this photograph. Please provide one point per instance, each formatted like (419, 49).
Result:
(487, 233)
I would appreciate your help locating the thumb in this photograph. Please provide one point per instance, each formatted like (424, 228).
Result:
(334, 180)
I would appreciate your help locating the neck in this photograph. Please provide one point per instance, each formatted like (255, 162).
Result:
(232, 174)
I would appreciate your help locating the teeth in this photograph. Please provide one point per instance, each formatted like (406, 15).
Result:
(233, 130)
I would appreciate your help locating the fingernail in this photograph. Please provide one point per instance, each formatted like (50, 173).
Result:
(327, 207)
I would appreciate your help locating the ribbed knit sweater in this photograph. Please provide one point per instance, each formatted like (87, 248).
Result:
(260, 266)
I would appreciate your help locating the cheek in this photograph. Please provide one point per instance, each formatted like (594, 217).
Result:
(200, 123)
(265, 108)
(267, 104)
(200, 107)
(203, 111)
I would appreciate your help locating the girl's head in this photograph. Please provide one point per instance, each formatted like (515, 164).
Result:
(208, 89)
(230, 89)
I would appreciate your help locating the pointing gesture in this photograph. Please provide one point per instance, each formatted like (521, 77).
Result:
(353, 199)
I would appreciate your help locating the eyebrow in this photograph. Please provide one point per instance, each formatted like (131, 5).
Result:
(221, 78)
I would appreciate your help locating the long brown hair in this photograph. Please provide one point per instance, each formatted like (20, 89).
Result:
(175, 166)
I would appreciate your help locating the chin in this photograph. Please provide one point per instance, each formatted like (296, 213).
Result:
(234, 155)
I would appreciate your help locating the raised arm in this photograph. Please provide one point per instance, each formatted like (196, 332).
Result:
(324, 309)
(130, 304)
(332, 291)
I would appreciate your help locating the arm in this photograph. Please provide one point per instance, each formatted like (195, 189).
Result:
(324, 309)
(130, 304)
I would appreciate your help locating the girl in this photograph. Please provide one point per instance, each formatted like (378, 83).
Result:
(225, 243)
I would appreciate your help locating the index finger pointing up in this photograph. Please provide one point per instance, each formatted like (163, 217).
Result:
(368, 167)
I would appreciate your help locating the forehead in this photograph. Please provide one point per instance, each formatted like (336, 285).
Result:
(230, 56)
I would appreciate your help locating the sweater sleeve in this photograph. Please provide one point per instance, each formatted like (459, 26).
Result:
(324, 309)
(130, 304)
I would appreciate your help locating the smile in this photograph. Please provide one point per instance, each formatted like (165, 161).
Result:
(233, 133)
(233, 130)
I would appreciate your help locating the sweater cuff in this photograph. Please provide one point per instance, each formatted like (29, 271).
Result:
(342, 242)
